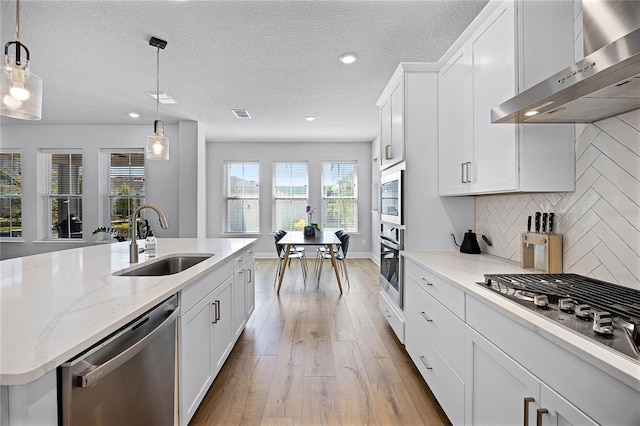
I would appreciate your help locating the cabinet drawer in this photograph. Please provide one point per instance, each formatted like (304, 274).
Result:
(437, 323)
(242, 258)
(447, 387)
(393, 316)
(192, 294)
(442, 291)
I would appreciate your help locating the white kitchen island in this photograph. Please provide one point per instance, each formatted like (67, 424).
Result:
(55, 305)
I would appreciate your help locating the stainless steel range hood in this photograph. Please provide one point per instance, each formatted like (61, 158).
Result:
(603, 84)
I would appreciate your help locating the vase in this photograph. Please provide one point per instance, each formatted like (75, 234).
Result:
(309, 231)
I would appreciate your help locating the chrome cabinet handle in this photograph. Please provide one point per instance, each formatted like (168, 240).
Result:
(468, 179)
(252, 251)
(424, 361)
(387, 314)
(424, 315)
(240, 260)
(112, 364)
(241, 271)
(426, 282)
(387, 152)
(540, 412)
(462, 172)
(249, 271)
(527, 401)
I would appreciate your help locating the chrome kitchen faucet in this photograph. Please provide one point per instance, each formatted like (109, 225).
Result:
(133, 248)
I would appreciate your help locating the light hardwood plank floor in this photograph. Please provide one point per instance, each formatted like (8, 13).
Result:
(311, 356)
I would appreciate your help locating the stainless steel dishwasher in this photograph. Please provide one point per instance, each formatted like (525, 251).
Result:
(128, 379)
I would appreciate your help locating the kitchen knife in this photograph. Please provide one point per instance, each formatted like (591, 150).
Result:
(538, 221)
(544, 222)
(551, 216)
(529, 224)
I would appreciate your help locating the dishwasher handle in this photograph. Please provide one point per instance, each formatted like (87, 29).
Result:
(85, 380)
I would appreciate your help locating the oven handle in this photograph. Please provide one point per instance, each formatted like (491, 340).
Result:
(388, 243)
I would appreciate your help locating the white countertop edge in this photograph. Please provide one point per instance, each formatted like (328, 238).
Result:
(619, 367)
(32, 373)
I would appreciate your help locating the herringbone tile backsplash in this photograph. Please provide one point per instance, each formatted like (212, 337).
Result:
(600, 221)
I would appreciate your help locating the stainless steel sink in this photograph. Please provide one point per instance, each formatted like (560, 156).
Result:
(165, 266)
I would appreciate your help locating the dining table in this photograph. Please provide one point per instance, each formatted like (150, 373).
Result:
(321, 238)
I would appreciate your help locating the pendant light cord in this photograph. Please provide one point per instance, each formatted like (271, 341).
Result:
(158, 83)
(17, 20)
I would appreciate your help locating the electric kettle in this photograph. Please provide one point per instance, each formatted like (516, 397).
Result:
(470, 243)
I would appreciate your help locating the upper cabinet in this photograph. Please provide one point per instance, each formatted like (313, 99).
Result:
(392, 125)
(509, 51)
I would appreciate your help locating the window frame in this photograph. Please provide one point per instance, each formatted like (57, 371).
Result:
(293, 198)
(46, 196)
(13, 195)
(226, 197)
(324, 197)
(106, 198)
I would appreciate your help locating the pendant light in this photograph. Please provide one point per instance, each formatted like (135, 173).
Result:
(158, 143)
(20, 89)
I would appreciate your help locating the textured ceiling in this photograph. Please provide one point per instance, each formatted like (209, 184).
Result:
(277, 59)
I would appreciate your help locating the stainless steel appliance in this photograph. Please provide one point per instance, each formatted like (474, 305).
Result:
(597, 310)
(391, 263)
(391, 197)
(127, 379)
(603, 84)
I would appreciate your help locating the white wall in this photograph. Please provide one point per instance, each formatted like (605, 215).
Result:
(162, 177)
(267, 153)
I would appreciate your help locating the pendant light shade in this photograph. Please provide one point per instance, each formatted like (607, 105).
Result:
(20, 89)
(157, 143)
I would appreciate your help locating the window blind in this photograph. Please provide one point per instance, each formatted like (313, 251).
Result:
(126, 187)
(290, 196)
(339, 196)
(242, 197)
(10, 195)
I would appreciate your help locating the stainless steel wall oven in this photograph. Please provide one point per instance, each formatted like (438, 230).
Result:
(391, 263)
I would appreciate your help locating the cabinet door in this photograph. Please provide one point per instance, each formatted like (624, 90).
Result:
(455, 119)
(557, 411)
(496, 387)
(493, 56)
(397, 123)
(194, 357)
(239, 314)
(385, 133)
(221, 325)
(250, 288)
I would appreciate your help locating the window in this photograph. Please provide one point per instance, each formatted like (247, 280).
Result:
(125, 174)
(339, 196)
(290, 196)
(242, 197)
(10, 195)
(63, 194)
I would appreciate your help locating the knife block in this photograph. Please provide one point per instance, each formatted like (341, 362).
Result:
(549, 244)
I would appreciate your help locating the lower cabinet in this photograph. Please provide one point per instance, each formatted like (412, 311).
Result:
(499, 391)
(209, 328)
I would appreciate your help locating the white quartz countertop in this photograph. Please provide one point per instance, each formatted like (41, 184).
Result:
(465, 270)
(55, 305)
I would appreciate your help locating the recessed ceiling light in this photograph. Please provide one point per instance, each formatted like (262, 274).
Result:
(134, 115)
(241, 113)
(309, 118)
(531, 113)
(164, 97)
(348, 58)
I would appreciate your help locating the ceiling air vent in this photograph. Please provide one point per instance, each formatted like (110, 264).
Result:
(241, 113)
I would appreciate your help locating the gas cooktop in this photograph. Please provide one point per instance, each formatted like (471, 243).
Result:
(604, 312)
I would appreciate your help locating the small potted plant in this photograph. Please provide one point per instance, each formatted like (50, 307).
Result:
(311, 228)
(114, 233)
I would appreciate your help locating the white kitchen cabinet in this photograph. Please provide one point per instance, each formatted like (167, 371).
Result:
(500, 391)
(214, 313)
(242, 291)
(501, 58)
(221, 325)
(392, 112)
(34, 403)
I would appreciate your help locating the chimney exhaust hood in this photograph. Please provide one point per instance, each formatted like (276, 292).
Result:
(603, 84)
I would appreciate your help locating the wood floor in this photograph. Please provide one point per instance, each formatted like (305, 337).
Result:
(313, 357)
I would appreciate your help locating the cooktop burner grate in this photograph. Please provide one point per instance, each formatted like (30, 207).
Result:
(616, 299)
